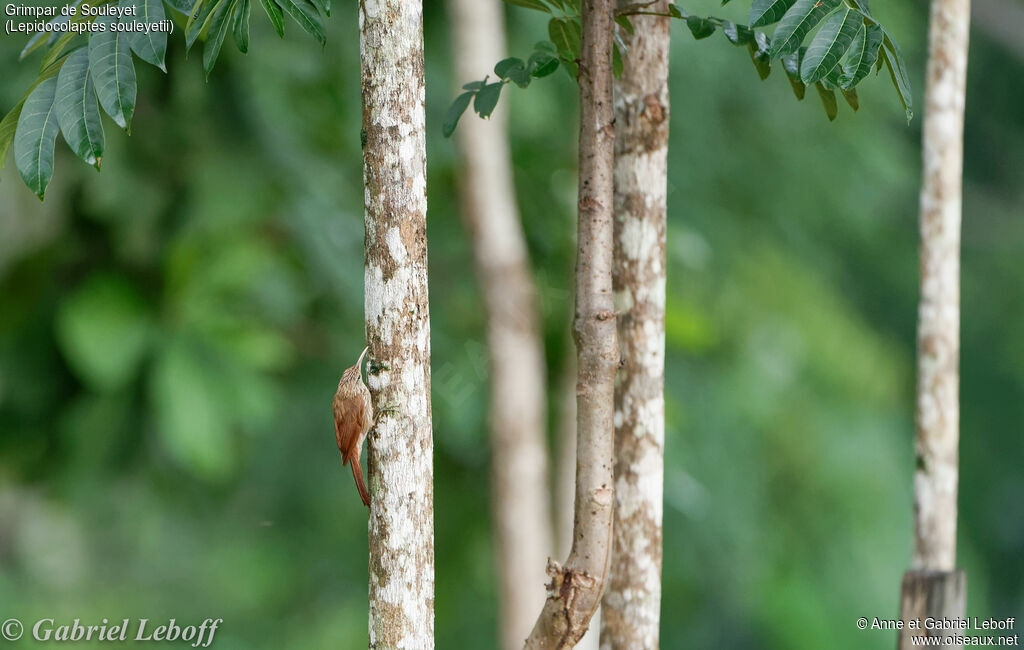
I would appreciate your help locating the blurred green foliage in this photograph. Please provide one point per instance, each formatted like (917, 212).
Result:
(172, 330)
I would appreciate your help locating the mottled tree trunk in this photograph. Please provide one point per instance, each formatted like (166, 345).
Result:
(632, 603)
(938, 334)
(397, 326)
(576, 588)
(519, 479)
(938, 337)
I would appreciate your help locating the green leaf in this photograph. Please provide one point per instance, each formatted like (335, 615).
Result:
(305, 15)
(759, 48)
(77, 112)
(862, 6)
(323, 6)
(545, 46)
(9, 125)
(674, 11)
(487, 99)
(455, 111)
(541, 64)
(850, 95)
(766, 12)
(566, 36)
(187, 397)
(202, 24)
(530, 4)
(798, 22)
(57, 49)
(700, 27)
(104, 331)
(181, 6)
(36, 136)
(791, 64)
(475, 85)
(197, 14)
(151, 47)
(110, 61)
(830, 44)
(220, 22)
(63, 19)
(39, 39)
(617, 66)
(514, 70)
(737, 34)
(276, 17)
(623, 21)
(893, 59)
(861, 57)
(828, 99)
(240, 29)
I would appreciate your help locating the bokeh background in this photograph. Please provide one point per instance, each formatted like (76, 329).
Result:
(172, 330)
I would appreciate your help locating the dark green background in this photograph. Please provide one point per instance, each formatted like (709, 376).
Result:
(172, 330)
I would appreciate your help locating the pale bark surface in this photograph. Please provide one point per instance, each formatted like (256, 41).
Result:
(632, 603)
(397, 326)
(519, 478)
(576, 588)
(565, 471)
(938, 338)
(565, 486)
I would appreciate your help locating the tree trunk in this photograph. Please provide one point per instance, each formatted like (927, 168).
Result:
(522, 510)
(632, 604)
(565, 487)
(576, 588)
(938, 334)
(932, 594)
(397, 325)
(565, 469)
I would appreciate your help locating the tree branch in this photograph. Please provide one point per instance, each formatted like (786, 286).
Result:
(576, 587)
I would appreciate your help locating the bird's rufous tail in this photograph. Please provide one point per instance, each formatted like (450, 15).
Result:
(357, 474)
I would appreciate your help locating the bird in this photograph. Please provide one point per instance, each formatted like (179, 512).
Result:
(353, 417)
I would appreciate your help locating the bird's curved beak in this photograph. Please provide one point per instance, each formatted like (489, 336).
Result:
(359, 364)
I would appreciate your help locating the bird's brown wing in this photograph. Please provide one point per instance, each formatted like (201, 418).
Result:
(348, 422)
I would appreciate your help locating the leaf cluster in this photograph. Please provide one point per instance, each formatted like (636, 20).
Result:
(844, 42)
(81, 68)
(484, 96)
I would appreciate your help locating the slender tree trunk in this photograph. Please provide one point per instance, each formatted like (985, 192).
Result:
(565, 471)
(522, 511)
(632, 604)
(938, 334)
(938, 338)
(565, 488)
(576, 588)
(397, 326)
